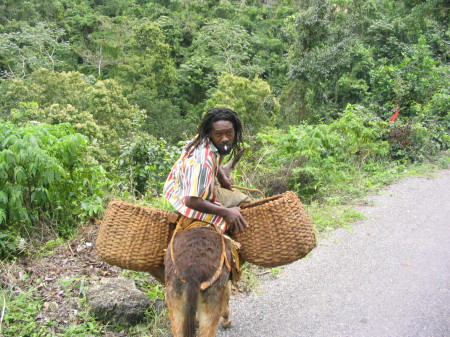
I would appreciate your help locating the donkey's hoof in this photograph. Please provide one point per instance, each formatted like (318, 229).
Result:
(226, 323)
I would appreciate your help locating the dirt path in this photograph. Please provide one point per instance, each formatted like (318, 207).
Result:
(388, 277)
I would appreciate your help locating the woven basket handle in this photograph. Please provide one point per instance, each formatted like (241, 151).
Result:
(248, 189)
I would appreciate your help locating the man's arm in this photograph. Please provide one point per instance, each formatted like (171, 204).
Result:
(232, 215)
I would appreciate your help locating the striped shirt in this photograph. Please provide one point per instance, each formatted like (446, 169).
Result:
(194, 175)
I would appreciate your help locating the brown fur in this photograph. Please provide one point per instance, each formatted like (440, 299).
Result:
(197, 256)
(231, 165)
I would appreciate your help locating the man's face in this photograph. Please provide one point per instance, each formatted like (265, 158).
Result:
(222, 136)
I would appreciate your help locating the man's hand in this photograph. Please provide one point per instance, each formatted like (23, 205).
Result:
(232, 216)
(235, 220)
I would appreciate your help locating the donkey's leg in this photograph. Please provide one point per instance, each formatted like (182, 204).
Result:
(176, 303)
(225, 313)
(209, 311)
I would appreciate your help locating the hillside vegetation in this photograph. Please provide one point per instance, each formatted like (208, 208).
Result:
(337, 97)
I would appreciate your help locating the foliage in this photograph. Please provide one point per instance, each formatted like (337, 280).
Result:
(30, 48)
(9, 243)
(416, 141)
(98, 110)
(33, 11)
(320, 55)
(257, 108)
(148, 77)
(47, 180)
(413, 81)
(316, 55)
(146, 65)
(322, 160)
(144, 165)
(344, 51)
(220, 46)
(225, 46)
(314, 81)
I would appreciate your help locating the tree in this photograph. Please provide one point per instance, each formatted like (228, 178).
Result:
(79, 20)
(147, 65)
(251, 99)
(105, 47)
(31, 11)
(225, 47)
(413, 81)
(320, 56)
(31, 48)
(99, 108)
(220, 46)
(149, 77)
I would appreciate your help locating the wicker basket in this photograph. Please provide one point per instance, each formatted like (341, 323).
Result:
(280, 231)
(133, 237)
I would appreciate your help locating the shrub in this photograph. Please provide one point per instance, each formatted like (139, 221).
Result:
(320, 160)
(424, 135)
(144, 165)
(47, 180)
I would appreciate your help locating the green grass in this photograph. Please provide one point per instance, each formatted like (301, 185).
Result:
(49, 247)
(330, 217)
(338, 209)
(19, 310)
(249, 281)
(153, 326)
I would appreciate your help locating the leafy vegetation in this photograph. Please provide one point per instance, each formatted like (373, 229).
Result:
(144, 164)
(318, 161)
(337, 97)
(48, 181)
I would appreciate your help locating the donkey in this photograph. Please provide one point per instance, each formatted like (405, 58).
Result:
(197, 283)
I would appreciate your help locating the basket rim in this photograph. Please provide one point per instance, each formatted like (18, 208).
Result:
(131, 205)
(265, 200)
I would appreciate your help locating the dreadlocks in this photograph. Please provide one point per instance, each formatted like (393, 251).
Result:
(205, 127)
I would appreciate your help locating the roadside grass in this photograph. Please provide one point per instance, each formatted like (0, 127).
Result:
(338, 210)
(329, 217)
(22, 308)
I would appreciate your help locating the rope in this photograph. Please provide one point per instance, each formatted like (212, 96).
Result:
(249, 189)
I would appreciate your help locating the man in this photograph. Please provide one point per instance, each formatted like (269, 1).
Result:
(198, 258)
(191, 185)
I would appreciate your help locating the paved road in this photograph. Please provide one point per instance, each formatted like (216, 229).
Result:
(388, 277)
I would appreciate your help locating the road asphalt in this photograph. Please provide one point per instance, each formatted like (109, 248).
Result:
(388, 276)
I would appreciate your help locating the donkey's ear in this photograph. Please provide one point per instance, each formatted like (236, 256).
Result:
(231, 165)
